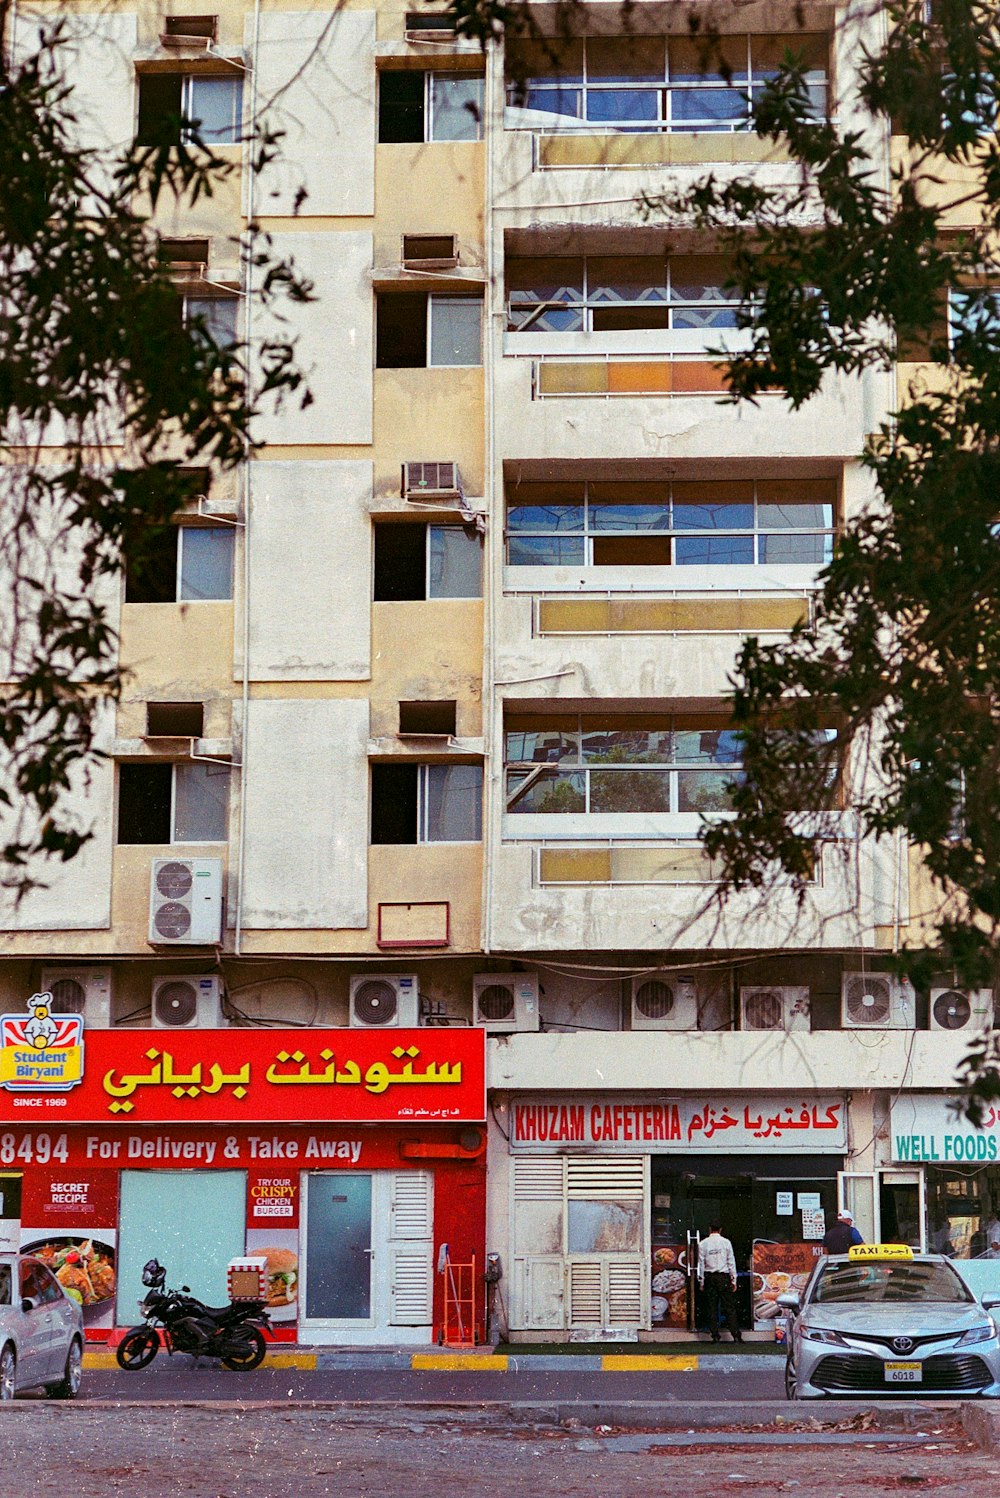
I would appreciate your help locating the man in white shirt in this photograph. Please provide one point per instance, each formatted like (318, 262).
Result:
(717, 1277)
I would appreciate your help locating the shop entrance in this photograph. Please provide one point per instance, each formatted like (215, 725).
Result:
(765, 1207)
(365, 1272)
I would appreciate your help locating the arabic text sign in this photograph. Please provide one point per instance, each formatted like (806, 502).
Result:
(230, 1076)
(928, 1127)
(683, 1125)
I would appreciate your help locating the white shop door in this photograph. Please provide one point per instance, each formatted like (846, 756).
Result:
(411, 1248)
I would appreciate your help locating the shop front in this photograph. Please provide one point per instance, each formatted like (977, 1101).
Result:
(609, 1198)
(347, 1158)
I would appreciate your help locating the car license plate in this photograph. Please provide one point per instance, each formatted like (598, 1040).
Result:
(903, 1373)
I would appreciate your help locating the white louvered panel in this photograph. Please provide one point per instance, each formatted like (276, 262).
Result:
(411, 1287)
(585, 1298)
(591, 1178)
(411, 1210)
(538, 1178)
(624, 1305)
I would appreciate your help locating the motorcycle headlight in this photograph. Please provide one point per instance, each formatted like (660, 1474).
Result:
(820, 1334)
(977, 1334)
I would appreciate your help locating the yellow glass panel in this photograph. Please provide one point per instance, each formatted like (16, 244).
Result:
(575, 865)
(558, 378)
(698, 376)
(574, 616)
(661, 866)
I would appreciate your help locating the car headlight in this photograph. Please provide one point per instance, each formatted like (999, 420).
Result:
(977, 1334)
(820, 1334)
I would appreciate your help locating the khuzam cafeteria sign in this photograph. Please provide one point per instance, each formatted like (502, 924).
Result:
(692, 1124)
(224, 1076)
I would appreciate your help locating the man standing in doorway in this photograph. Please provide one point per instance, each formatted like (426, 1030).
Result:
(843, 1235)
(717, 1277)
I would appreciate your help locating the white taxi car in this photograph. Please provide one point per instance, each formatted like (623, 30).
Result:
(884, 1320)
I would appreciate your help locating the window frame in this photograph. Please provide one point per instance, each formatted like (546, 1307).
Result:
(423, 770)
(430, 138)
(436, 298)
(758, 533)
(188, 83)
(587, 305)
(747, 83)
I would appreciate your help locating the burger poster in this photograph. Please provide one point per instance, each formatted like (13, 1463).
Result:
(280, 1247)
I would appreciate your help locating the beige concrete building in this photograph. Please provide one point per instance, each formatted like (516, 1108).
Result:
(431, 696)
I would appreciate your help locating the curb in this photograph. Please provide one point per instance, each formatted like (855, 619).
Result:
(482, 1362)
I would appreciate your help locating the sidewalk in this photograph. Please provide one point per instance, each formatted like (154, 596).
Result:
(723, 1357)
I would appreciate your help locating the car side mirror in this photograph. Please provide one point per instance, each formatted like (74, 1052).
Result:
(990, 1302)
(789, 1301)
(27, 1304)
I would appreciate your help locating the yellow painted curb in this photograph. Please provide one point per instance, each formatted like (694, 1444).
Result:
(622, 1362)
(459, 1362)
(96, 1361)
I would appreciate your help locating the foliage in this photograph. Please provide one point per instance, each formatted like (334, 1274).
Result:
(847, 272)
(111, 408)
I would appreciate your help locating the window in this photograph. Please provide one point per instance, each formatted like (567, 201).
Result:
(622, 763)
(160, 803)
(602, 294)
(217, 316)
(427, 803)
(184, 564)
(173, 720)
(173, 106)
(650, 83)
(973, 313)
(414, 561)
(423, 106)
(707, 523)
(414, 330)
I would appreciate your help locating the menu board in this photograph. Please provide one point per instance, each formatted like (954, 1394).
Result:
(778, 1268)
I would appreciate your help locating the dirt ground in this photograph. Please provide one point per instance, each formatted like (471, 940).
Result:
(226, 1452)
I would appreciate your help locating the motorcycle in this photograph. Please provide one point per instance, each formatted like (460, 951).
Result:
(176, 1320)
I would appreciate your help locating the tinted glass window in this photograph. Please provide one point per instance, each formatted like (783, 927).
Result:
(201, 803)
(456, 560)
(456, 107)
(206, 562)
(890, 1281)
(454, 804)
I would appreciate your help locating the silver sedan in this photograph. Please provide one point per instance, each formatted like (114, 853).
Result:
(890, 1325)
(41, 1331)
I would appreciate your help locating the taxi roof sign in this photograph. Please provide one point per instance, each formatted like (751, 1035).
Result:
(880, 1251)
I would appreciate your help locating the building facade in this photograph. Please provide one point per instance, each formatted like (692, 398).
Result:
(425, 706)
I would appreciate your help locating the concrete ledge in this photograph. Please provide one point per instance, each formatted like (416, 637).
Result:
(982, 1421)
(381, 1360)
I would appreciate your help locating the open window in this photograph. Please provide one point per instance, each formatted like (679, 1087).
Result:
(415, 560)
(426, 804)
(175, 720)
(418, 106)
(173, 803)
(174, 107)
(183, 564)
(417, 330)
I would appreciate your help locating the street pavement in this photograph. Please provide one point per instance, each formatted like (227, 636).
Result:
(217, 1450)
(177, 1378)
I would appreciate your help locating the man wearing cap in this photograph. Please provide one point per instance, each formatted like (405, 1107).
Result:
(843, 1235)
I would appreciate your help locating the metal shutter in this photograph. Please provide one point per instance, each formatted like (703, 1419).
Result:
(410, 1287)
(538, 1178)
(411, 1204)
(593, 1178)
(624, 1294)
(585, 1293)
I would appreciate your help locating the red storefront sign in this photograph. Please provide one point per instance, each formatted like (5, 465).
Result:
(250, 1077)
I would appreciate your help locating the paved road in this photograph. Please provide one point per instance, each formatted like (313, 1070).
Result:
(181, 1382)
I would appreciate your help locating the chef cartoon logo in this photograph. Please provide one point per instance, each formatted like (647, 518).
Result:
(41, 1051)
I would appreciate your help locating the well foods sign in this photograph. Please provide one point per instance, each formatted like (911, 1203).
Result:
(931, 1129)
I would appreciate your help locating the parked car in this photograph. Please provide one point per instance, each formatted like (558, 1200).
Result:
(884, 1320)
(41, 1331)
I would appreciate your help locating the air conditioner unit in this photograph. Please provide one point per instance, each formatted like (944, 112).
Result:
(773, 1008)
(961, 1009)
(421, 27)
(664, 1001)
(430, 252)
(505, 1002)
(877, 1001)
(384, 1001)
(424, 481)
(80, 990)
(185, 902)
(187, 1003)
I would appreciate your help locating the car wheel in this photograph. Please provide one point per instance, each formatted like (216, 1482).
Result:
(69, 1385)
(791, 1389)
(8, 1365)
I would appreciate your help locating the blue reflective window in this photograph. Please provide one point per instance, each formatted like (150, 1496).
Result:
(713, 551)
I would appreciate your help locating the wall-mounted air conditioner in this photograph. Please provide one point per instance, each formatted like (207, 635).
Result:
(431, 481)
(771, 1007)
(381, 1001)
(421, 26)
(185, 902)
(430, 252)
(665, 1001)
(187, 1002)
(505, 1002)
(80, 990)
(961, 1009)
(877, 1001)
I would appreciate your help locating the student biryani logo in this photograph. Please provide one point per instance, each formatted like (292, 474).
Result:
(41, 1051)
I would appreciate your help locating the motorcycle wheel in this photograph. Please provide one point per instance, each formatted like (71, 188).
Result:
(137, 1349)
(247, 1353)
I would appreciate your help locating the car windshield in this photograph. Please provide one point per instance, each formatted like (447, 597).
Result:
(4, 1284)
(889, 1282)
